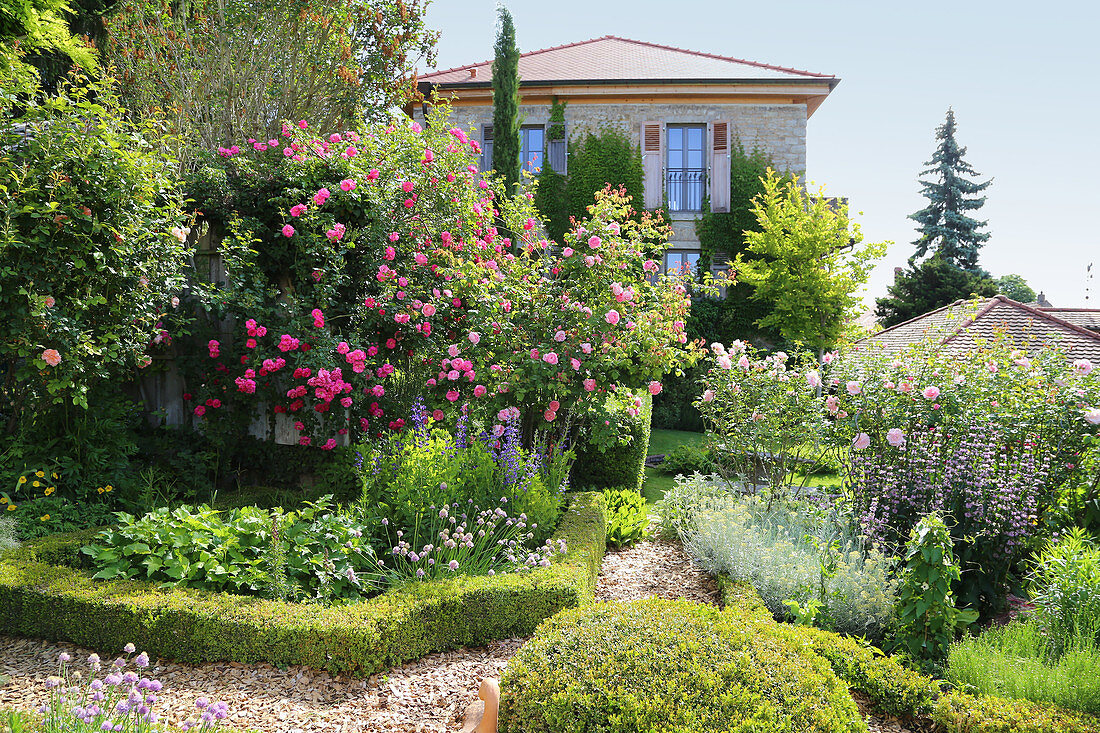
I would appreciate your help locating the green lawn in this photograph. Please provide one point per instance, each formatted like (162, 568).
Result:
(663, 441)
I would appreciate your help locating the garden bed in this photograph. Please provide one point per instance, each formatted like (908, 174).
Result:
(42, 597)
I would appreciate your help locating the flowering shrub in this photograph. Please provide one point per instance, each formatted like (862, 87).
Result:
(990, 493)
(90, 245)
(118, 701)
(381, 274)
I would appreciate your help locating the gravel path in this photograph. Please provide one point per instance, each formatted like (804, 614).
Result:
(426, 696)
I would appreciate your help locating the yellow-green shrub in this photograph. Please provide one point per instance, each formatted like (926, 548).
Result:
(669, 666)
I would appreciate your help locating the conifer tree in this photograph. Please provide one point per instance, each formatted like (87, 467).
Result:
(946, 231)
(929, 285)
(506, 142)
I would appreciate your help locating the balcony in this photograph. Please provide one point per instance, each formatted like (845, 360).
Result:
(685, 189)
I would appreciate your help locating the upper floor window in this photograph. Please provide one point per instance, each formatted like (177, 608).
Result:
(686, 170)
(532, 143)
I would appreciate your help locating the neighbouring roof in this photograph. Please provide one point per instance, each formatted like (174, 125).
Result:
(610, 59)
(959, 326)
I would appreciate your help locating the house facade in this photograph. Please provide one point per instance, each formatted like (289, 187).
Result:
(683, 109)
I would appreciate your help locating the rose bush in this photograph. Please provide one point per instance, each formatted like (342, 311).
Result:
(366, 268)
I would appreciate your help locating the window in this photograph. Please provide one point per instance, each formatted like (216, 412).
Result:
(686, 171)
(681, 262)
(487, 148)
(531, 139)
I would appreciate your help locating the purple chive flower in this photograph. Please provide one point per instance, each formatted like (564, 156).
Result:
(142, 660)
(129, 648)
(63, 657)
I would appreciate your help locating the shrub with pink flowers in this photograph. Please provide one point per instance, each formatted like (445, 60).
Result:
(368, 267)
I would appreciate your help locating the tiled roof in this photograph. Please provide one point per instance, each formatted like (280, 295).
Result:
(958, 327)
(1086, 317)
(611, 58)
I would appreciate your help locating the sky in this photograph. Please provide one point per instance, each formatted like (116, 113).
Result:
(1023, 79)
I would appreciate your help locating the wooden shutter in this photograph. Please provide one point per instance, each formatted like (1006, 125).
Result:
(720, 167)
(557, 150)
(653, 164)
(486, 147)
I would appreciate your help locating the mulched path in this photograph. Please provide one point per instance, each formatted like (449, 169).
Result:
(426, 696)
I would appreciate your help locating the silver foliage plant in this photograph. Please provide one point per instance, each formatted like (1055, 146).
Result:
(790, 551)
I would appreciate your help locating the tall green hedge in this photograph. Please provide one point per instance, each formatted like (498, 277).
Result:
(43, 599)
(618, 466)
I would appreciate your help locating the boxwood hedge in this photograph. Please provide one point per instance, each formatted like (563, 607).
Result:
(45, 594)
(659, 665)
(901, 692)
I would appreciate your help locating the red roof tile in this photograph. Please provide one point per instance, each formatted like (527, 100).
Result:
(611, 58)
(958, 327)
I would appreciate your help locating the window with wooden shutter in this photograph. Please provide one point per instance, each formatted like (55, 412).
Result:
(653, 164)
(486, 148)
(720, 167)
(557, 147)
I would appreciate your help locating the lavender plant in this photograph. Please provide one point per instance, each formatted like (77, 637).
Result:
(989, 490)
(120, 700)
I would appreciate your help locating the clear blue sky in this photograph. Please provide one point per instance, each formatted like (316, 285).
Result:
(1023, 78)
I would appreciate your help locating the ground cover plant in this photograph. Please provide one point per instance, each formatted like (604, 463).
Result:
(627, 517)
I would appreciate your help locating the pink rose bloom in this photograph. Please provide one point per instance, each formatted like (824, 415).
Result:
(709, 395)
(297, 210)
(931, 392)
(559, 336)
(554, 405)
(832, 404)
(550, 358)
(437, 415)
(479, 391)
(1082, 366)
(321, 196)
(743, 362)
(586, 347)
(303, 124)
(200, 410)
(654, 388)
(895, 437)
(288, 231)
(401, 318)
(905, 387)
(567, 252)
(474, 337)
(348, 184)
(813, 379)
(724, 362)
(534, 353)
(498, 430)
(429, 310)
(612, 317)
(828, 356)
(420, 258)
(1092, 417)
(589, 385)
(51, 357)
(862, 441)
(575, 364)
(549, 415)
(594, 242)
(452, 395)
(854, 388)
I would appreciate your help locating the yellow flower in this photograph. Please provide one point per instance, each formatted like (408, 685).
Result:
(44, 518)
(40, 474)
(108, 488)
(3, 500)
(11, 507)
(49, 490)
(55, 475)
(99, 490)
(22, 479)
(36, 484)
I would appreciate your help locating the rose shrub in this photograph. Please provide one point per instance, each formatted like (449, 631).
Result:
(365, 268)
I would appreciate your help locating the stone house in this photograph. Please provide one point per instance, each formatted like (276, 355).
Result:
(684, 109)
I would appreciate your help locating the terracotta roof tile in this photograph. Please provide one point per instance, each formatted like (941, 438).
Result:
(621, 59)
(957, 327)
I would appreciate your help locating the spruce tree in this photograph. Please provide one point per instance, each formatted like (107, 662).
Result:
(506, 142)
(946, 231)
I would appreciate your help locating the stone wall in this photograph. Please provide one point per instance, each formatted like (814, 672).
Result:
(778, 129)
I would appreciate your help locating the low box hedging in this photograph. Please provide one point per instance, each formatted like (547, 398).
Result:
(664, 665)
(901, 692)
(41, 596)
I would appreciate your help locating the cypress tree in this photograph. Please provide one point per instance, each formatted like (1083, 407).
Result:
(506, 142)
(946, 231)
